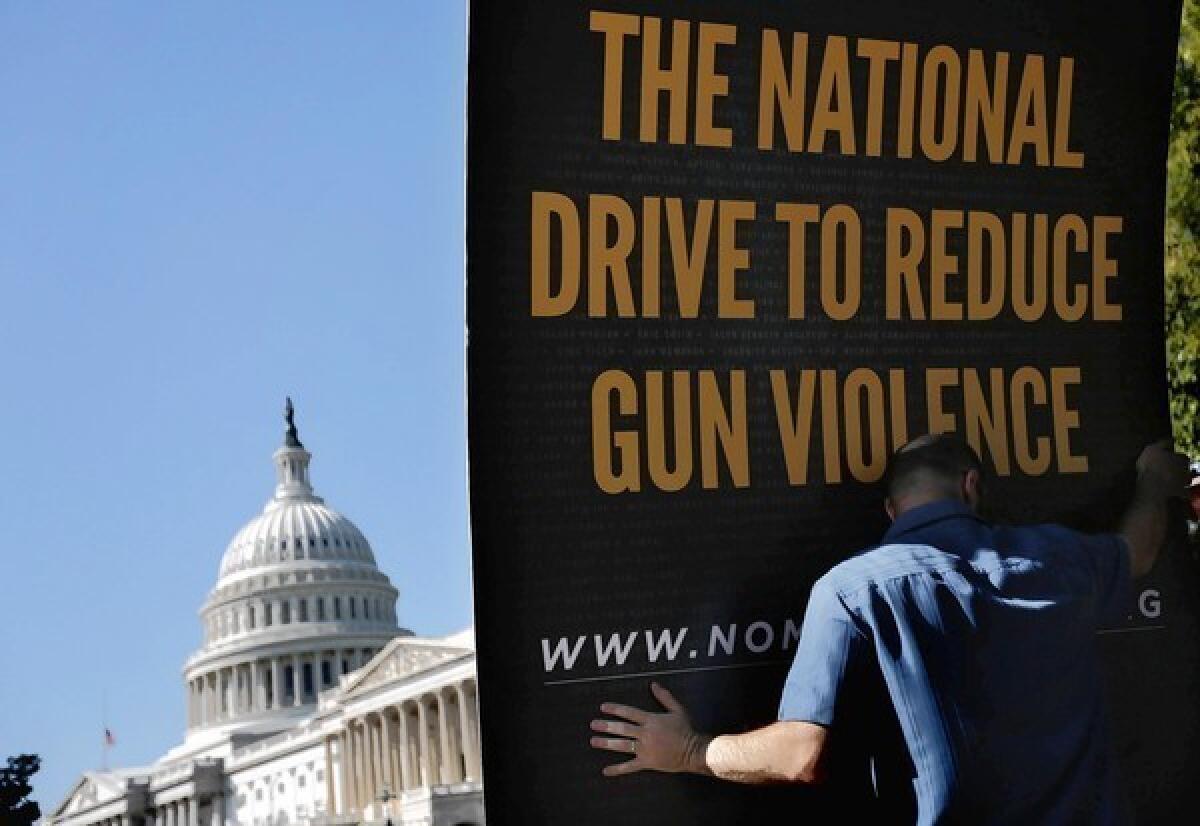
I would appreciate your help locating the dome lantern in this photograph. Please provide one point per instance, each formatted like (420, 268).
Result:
(291, 464)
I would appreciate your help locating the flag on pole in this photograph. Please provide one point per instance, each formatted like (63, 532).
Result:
(109, 740)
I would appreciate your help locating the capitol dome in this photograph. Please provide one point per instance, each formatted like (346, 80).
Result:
(299, 601)
(293, 527)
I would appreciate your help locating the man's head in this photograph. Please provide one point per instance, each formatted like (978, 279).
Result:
(931, 468)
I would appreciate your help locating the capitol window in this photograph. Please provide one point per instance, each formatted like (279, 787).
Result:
(337, 608)
(268, 610)
(303, 610)
(320, 609)
(285, 612)
(352, 608)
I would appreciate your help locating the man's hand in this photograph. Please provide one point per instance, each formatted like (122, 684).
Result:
(1162, 472)
(658, 741)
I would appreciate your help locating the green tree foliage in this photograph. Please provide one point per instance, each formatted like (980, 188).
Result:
(15, 807)
(1183, 239)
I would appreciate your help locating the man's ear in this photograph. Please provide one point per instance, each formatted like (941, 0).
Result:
(890, 508)
(972, 489)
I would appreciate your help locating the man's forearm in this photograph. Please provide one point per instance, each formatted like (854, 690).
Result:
(1162, 474)
(783, 752)
(1144, 527)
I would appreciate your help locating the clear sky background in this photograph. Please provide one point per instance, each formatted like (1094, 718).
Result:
(204, 208)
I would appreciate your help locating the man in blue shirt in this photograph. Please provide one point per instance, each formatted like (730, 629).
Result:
(982, 637)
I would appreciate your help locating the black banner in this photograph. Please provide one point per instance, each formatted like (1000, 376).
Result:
(723, 258)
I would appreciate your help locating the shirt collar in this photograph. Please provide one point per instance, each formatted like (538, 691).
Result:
(923, 515)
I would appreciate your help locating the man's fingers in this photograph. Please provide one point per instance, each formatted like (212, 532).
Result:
(628, 712)
(614, 727)
(628, 767)
(619, 744)
(666, 698)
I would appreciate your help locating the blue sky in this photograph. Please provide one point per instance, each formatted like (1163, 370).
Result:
(204, 208)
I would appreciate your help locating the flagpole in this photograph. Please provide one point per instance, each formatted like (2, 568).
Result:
(104, 736)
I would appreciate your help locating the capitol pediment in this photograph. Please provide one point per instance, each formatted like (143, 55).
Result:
(403, 657)
(91, 790)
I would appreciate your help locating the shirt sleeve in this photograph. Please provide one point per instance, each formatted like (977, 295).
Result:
(1107, 558)
(830, 650)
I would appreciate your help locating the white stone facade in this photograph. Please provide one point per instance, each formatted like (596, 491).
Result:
(306, 703)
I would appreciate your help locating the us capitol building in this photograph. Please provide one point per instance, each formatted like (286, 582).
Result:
(306, 702)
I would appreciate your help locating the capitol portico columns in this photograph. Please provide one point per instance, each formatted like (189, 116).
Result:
(360, 764)
(445, 770)
(369, 792)
(391, 782)
(344, 773)
(406, 769)
(330, 795)
(426, 776)
(355, 764)
(364, 734)
(349, 791)
(470, 755)
(368, 762)
(385, 753)
(372, 756)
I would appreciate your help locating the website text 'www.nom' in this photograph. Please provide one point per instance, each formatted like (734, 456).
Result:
(709, 645)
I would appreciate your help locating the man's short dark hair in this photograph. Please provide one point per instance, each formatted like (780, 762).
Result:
(933, 461)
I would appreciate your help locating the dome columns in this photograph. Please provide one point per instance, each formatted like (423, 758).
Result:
(268, 683)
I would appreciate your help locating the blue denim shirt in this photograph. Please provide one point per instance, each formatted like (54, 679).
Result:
(981, 639)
